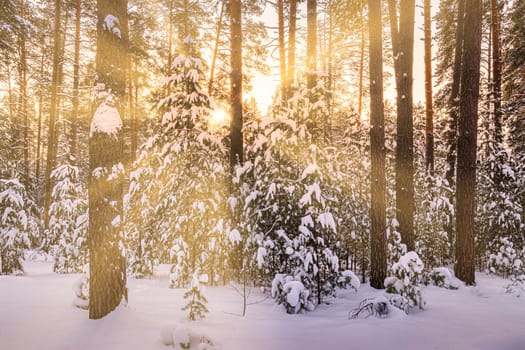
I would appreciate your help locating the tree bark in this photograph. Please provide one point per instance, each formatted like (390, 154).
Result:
(107, 286)
(467, 138)
(377, 149)
(292, 28)
(40, 113)
(495, 24)
(282, 52)
(403, 49)
(23, 119)
(454, 98)
(216, 49)
(311, 42)
(76, 80)
(236, 154)
(429, 111)
(52, 133)
(361, 64)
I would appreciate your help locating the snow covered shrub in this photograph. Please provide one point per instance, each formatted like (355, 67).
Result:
(81, 289)
(68, 220)
(440, 277)
(347, 279)
(517, 286)
(144, 249)
(177, 200)
(196, 305)
(395, 248)
(291, 293)
(499, 212)
(14, 226)
(505, 260)
(178, 337)
(432, 214)
(378, 307)
(405, 282)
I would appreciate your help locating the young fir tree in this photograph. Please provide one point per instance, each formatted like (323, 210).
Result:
(286, 203)
(68, 219)
(14, 226)
(184, 191)
(196, 305)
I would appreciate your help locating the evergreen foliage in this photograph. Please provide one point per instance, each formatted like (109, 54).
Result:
(15, 226)
(68, 220)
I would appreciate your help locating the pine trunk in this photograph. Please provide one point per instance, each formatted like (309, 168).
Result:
(311, 42)
(429, 111)
(107, 263)
(52, 132)
(292, 27)
(236, 155)
(403, 47)
(361, 63)
(467, 138)
(454, 98)
(216, 49)
(76, 80)
(377, 149)
(22, 105)
(40, 115)
(282, 54)
(496, 81)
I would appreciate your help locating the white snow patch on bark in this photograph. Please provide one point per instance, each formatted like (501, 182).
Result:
(106, 120)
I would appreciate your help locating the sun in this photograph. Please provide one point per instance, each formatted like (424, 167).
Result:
(264, 87)
(219, 119)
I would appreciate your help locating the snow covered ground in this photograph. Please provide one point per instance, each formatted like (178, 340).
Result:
(36, 312)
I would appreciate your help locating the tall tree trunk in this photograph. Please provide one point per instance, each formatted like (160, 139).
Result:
(330, 79)
(216, 48)
(292, 28)
(131, 107)
(467, 137)
(282, 54)
(52, 133)
(236, 155)
(107, 264)
(454, 98)
(40, 113)
(170, 43)
(403, 47)
(361, 62)
(377, 149)
(429, 111)
(10, 94)
(76, 80)
(311, 42)
(451, 134)
(22, 105)
(495, 25)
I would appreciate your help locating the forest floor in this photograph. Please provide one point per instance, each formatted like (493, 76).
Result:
(36, 312)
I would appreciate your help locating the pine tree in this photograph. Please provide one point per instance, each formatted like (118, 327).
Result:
(196, 300)
(14, 226)
(236, 138)
(107, 264)
(467, 136)
(377, 148)
(68, 220)
(402, 31)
